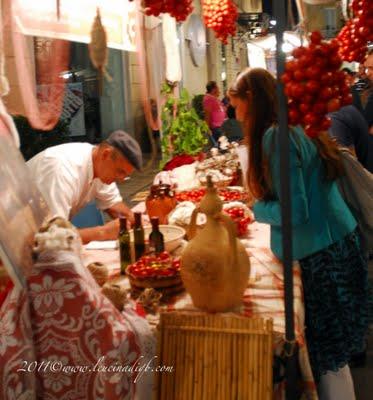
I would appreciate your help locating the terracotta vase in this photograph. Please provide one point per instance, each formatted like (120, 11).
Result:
(215, 265)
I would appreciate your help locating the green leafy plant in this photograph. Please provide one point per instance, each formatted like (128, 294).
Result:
(197, 104)
(183, 130)
(33, 141)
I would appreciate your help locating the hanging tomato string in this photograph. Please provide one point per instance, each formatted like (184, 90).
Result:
(179, 9)
(220, 16)
(314, 84)
(355, 35)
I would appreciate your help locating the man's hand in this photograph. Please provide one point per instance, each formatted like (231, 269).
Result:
(111, 230)
(120, 209)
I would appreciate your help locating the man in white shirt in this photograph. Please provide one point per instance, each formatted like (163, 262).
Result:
(71, 175)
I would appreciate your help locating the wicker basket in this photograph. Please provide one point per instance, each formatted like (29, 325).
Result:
(167, 286)
(214, 357)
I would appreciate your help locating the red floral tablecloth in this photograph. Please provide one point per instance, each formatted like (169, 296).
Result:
(74, 334)
(264, 296)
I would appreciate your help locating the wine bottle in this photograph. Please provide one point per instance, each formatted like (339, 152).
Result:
(138, 233)
(156, 240)
(124, 246)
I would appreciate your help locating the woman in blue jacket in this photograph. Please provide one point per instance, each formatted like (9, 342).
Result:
(325, 237)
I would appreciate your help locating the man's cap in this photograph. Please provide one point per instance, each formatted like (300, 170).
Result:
(128, 147)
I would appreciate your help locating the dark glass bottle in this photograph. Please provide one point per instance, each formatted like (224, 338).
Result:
(124, 245)
(139, 238)
(156, 240)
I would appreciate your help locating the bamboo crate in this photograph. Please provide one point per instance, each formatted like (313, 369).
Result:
(214, 357)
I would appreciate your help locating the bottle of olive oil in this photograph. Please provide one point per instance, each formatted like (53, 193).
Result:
(124, 245)
(138, 233)
(156, 240)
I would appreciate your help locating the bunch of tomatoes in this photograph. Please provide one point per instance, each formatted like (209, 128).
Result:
(151, 266)
(196, 195)
(314, 84)
(179, 9)
(220, 16)
(242, 221)
(354, 36)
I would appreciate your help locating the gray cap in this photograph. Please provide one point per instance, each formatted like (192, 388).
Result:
(128, 146)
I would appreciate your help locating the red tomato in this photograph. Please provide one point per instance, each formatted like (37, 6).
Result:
(326, 93)
(304, 61)
(149, 271)
(311, 131)
(312, 86)
(325, 123)
(291, 66)
(304, 108)
(319, 108)
(335, 61)
(136, 271)
(294, 117)
(298, 90)
(333, 105)
(316, 37)
(347, 99)
(326, 78)
(299, 75)
(145, 260)
(311, 118)
(286, 77)
(313, 72)
(164, 255)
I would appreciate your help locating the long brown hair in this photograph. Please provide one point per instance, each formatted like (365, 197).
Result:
(259, 86)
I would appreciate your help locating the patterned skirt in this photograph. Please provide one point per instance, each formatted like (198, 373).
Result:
(335, 283)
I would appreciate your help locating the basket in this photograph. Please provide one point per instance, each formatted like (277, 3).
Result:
(168, 286)
(214, 357)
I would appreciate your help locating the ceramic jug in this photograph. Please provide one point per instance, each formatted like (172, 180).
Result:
(215, 265)
(160, 202)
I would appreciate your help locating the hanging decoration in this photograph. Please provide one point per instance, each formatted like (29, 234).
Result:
(179, 9)
(171, 46)
(39, 100)
(358, 31)
(221, 17)
(315, 85)
(98, 51)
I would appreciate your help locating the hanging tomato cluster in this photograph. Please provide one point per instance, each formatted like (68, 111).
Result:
(179, 9)
(314, 84)
(220, 16)
(354, 36)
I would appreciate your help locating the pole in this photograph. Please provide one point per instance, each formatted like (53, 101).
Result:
(290, 343)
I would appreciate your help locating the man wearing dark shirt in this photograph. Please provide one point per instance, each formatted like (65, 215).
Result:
(362, 91)
(350, 129)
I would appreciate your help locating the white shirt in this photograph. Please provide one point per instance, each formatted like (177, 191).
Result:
(64, 176)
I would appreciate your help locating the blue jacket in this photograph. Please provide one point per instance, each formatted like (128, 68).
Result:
(320, 217)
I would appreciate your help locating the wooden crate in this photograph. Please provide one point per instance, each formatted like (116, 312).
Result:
(214, 357)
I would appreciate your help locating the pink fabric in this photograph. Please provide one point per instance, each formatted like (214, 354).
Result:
(42, 113)
(216, 109)
(73, 324)
(142, 69)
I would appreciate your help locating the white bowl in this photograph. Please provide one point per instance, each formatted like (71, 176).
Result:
(173, 236)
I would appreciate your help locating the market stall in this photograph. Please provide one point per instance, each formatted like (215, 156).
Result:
(264, 293)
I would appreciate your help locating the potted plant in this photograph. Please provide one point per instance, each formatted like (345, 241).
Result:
(184, 133)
